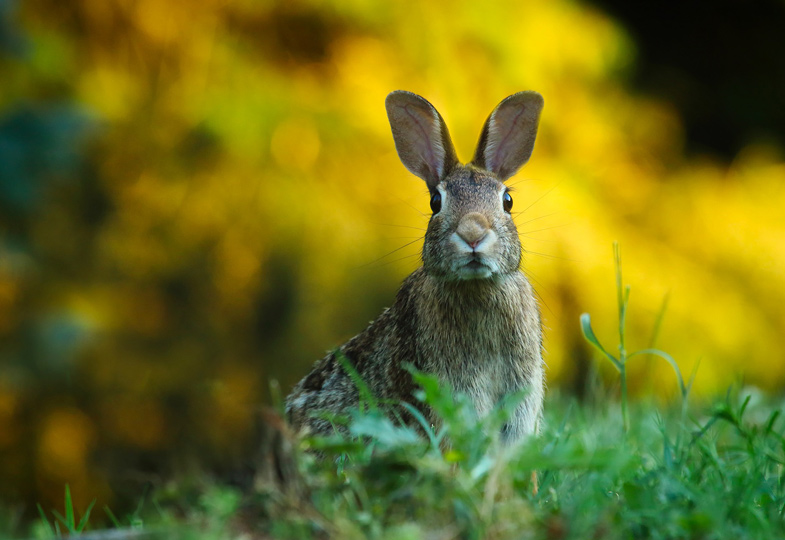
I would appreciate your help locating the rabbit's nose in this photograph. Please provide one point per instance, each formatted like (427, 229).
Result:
(473, 228)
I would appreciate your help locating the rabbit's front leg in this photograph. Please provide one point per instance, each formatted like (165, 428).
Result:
(525, 420)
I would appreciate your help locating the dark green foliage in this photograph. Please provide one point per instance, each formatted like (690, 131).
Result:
(11, 41)
(38, 145)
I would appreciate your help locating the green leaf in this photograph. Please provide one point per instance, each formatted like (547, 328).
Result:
(380, 428)
(335, 445)
(634, 495)
(668, 358)
(588, 333)
(434, 439)
(482, 468)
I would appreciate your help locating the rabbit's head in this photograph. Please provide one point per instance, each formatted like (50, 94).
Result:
(471, 234)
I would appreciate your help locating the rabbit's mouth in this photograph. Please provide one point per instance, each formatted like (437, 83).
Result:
(474, 269)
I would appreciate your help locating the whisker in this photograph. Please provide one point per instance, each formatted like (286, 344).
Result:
(534, 219)
(407, 203)
(518, 181)
(410, 205)
(546, 228)
(539, 284)
(399, 259)
(390, 253)
(550, 256)
(539, 198)
(535, 239)
(400, 226)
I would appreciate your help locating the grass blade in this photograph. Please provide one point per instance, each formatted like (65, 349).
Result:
(366, 396)
(655, 332)
(45, 520)
(85, 517)
(63, 519)
(112, 517)
(619, 289)
(69, 510)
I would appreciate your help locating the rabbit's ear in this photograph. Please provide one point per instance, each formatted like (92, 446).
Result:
(421, 137)
(507, 138)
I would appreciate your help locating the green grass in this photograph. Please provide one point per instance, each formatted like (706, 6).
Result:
(64, 523)
(714, 472)
(718, 474)
(627, 470)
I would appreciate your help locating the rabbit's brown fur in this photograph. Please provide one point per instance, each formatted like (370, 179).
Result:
(468, 315)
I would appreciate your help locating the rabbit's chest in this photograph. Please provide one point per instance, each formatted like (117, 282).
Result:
(483, 341)
(485, 380)
(484, 367)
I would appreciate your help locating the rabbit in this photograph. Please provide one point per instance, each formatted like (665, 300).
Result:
(468, 315)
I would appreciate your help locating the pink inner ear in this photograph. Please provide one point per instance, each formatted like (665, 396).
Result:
(426, 143)
(502, 149)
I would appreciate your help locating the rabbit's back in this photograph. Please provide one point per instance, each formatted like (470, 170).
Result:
(378, 355)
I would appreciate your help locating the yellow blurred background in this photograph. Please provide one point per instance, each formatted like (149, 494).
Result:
(201, 197)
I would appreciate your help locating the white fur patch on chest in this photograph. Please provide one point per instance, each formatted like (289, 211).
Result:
(486, 379)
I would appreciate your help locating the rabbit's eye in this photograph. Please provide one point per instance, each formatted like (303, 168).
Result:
(436, 202)
(507, 201)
